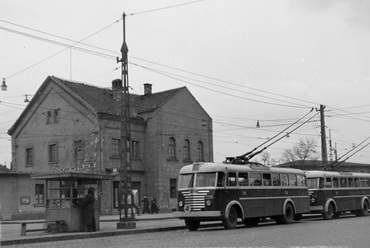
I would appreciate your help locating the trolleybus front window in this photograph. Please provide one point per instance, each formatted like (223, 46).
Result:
(205, 179)
(186, 181)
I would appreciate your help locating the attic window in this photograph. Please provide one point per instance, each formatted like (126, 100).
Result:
(52, 116)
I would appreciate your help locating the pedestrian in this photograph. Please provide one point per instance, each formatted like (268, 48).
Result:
(88, 215)
(153, 205)
(146, 205)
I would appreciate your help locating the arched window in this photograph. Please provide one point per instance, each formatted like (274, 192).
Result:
(187, 150)
(200, 151)
(172, 149)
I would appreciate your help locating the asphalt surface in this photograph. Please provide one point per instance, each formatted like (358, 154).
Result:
(10, 231)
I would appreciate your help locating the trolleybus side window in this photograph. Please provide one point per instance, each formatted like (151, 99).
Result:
(243, 179)
(357, 182)
(292, 180)
(221, 179)
(255, 179)
(328, 182)
(351, 182)
(335, 182)
(321, 182)
(284, 180)
(301, 180)
(367, 182)
(275, 179)
(343, 182)
(231, 179)
(266, 179)
(363, 182)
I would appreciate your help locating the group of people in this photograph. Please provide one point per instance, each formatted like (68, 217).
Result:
(152, 203)
(87, 205)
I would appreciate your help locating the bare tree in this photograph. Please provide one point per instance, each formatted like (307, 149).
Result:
(305, 149)
(265, 157)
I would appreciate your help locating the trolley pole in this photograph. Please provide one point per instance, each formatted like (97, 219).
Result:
(125, 187)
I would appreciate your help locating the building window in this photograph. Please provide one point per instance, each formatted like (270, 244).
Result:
(172, 149)
(115, 147)
(135, 150)
(173, 190)
(39, 192)
(52, 116)
(29, 157)
(78, 151)
(56, 113)
(53, 155)
(187, 150)
(200, 151)
(48, 117)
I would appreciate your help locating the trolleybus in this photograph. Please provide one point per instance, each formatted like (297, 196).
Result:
(332, 193)
(251, 191)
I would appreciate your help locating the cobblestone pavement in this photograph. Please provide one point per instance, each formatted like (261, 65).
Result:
(343, 232)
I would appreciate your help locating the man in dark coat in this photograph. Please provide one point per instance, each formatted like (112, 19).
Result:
(146, 205)
(88, 217)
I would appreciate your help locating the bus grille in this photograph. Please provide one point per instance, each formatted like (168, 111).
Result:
(195, 199)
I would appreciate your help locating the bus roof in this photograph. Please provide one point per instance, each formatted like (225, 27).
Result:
(335, 174)
(213, 167)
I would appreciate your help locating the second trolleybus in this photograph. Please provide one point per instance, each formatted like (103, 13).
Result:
(250, 192)
(333, 193)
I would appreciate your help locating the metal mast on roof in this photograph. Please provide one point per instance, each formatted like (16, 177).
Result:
(125, 187)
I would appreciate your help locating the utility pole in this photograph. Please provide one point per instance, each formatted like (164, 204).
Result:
(324, 153)
(125, 187)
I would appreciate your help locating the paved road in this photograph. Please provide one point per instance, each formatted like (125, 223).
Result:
(343, 232)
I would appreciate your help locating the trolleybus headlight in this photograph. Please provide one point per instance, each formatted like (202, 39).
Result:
(208, 203)
(313, 200)
(181, 204)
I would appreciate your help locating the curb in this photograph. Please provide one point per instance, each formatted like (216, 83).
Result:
(87, 235)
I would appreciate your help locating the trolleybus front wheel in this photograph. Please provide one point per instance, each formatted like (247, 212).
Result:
(231, 221)
(192, 225)
(328, 215)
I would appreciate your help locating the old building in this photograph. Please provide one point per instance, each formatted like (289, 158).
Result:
(75, 126)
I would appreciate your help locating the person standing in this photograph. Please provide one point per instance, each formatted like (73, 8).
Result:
(146, 205)
(153, 205)
(88, 215)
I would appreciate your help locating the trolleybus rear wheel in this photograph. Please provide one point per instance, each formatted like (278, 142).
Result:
(288, 215)
(364, 211)
(328, 215)
(192, 225)
(231, 221)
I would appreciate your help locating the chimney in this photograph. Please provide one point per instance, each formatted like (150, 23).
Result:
(117, 88)
(116, 84)
(147, 89)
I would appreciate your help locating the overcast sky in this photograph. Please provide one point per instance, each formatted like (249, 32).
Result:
(243, 61)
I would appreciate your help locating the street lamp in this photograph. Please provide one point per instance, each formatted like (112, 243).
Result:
(3, 86)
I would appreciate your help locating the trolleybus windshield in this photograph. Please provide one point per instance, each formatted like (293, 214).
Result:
(201, 180)
(315, 183)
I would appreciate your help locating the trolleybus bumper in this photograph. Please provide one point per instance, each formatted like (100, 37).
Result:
(197, 214)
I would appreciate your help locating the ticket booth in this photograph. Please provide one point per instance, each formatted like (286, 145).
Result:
(65, 193)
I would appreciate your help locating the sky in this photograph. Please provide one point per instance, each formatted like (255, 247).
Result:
(271, 61)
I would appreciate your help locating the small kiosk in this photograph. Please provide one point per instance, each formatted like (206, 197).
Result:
(65, 192)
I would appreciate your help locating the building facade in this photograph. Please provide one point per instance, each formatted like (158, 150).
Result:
(75, 126)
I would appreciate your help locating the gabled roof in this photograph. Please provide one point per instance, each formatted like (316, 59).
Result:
(100, 100)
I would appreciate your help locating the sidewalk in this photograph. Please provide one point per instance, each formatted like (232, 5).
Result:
(10, 230)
